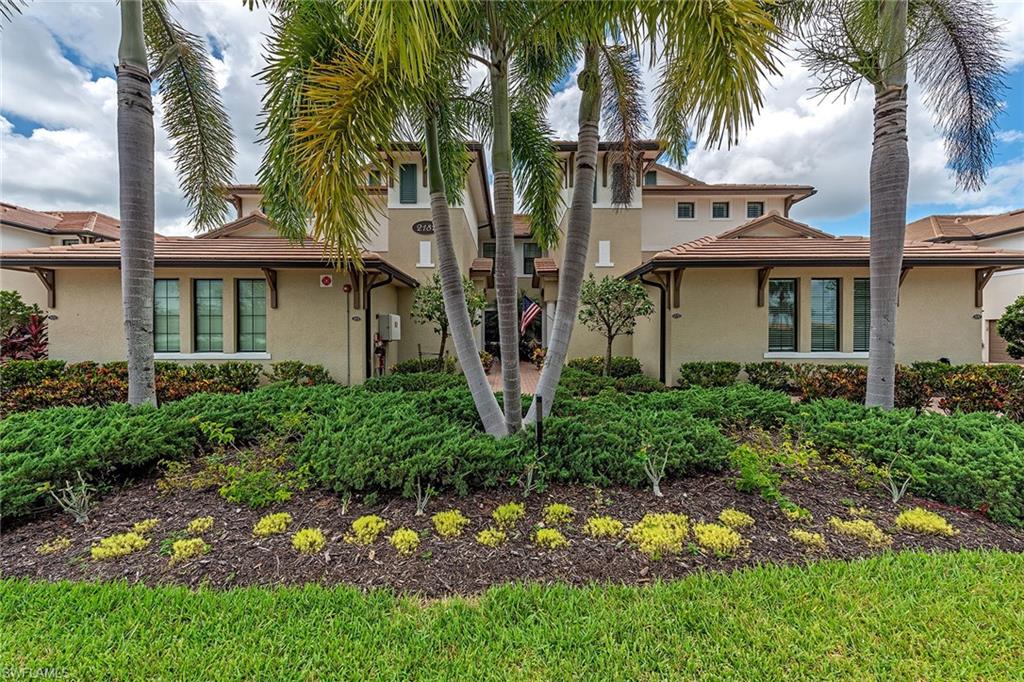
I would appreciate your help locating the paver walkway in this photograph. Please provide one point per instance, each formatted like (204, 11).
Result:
(528, 376)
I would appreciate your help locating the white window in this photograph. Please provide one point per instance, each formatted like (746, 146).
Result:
(604, 255)
(684, 210)
(755, 209)
(719, 210)
(426, 258)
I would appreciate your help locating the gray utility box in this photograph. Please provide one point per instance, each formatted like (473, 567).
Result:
(389, 326)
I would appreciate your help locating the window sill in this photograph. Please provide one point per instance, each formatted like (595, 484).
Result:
(604, 265)
(686, 219)
(211, 356)
(424, 265)
(822, 355)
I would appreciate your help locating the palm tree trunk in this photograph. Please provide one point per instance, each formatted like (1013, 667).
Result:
(454, 296)
(135, 174)
(577, 238)
(890, 174)
(505, 280)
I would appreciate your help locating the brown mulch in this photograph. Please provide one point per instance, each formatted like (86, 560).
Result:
(461, 565)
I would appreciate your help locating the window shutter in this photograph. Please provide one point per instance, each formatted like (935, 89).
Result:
(861, 314)
(651, 178)
(407, 184)
(782, 315)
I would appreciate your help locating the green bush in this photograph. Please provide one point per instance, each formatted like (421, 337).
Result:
(849, 382)
(774, 376)
(971, 460)
(17, 373)
(415, 381)
(933, 373)
(980, 388)
(416, 365)
(733, 408)
(621, 367)
(708, 374)
(299, 373)
(583, 384)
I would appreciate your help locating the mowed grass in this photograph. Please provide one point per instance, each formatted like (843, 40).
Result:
(895, 616)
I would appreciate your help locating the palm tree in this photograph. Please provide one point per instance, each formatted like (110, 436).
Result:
(153, 45)
(955, 50)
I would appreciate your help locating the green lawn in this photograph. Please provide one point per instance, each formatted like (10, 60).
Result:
(897, 616)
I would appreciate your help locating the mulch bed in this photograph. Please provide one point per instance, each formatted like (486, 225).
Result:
(461, 565)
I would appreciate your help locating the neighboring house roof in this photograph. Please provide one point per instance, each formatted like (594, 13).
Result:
(254, 218)
(521, 225)
(796, 192)
(737, 248)
(686, 179)
(90, 223)
(965, 227)
(237, 252)
(639, 145)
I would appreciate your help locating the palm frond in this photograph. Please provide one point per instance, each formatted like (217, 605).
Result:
(194, 115)
(9, 8)
(624, 113)
(958, 62)
(538, 175)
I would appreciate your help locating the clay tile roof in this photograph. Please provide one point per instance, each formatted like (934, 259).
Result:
(20, 216)
(746, 230)
(545, 266)
(481, 265)
(521, 225)
(241, 252)
(965, 227)
(61, 222)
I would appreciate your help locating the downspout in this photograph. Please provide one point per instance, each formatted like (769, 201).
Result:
(662, 327)
(369, 324)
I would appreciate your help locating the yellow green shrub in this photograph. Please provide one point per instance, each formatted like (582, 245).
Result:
(200, 525)
(118, 546)
(183, 550)
(860, 512)
(365, 530)
(797, 513)
(734, 518)
(58, 544)
(449, 524)
(719, 540)
(862, 529)
(309, 540)
(405, 540)
(272, 524)
(807, 538)
(491, 537)
(659, 534)
(550, 538)
(508, 515)
(918, 520)
(143, 527)
(603, 527)
(557, 514)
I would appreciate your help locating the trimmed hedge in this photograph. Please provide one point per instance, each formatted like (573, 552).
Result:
(621, 367)
(578, 382)
(708, 374)
(298, 373)
(773, 376)
(416, 365)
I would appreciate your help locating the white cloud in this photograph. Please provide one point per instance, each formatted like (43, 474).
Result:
(1010, 136)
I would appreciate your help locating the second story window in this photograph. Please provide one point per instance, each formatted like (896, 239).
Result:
(651, 178)
(684, 210)
(619, 188)
(407, 185)
(68, 242)
(426, 256)
(373, 178)
(208, 304)
(719, 209)
(489, 249)
(604, 255)
(755, 209)
(531, 252)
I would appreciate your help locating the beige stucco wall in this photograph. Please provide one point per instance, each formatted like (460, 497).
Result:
(662, 230)
(25, 283)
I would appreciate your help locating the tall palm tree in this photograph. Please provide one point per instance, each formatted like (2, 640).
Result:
(955, 51)
(154, 45)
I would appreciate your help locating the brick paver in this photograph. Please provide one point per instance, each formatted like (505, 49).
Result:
(528, 377)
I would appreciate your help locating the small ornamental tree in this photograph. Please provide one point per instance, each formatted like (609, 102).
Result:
(1011, 328)
(610, 307)
(428, 308)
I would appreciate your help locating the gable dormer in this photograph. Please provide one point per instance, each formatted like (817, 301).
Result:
(774, 225)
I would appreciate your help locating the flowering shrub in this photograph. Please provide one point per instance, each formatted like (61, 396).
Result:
(25, 341)
(818, 382)
(861, 529)
(183, 550)
(980, 388)
(58, 544)
(200, 525)
(309, 540)
(491, 537)
(659, 534)
(508, 515)
(603, 527)
(144, 527)
(918, 520)
(118, 546)
(365, 530)
(556, 514)
(550, 538)
(708, 374)
(720, 540)
(733, 518)
(537, 357)
(449, 524)
(405, 540)
(807, 538)
(272, 524)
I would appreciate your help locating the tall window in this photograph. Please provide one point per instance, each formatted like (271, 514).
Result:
(251, 297)
(720, 209)
(166, 320)
(824, 315)
(755, 209)
(426, 255)
(531, 252)
(861, 314)
(782, 315)
(407, 188)
(604, 254)
(684, 210)
(651, 178)
(208, 304)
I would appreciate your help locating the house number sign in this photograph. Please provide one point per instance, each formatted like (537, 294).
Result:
(423, 227)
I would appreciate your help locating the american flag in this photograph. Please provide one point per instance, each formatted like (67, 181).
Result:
(530, 311)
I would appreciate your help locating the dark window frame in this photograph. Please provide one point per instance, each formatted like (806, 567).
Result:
(208, 346)
(837, 315)
(159, 297)
(795, 346)
(249, 319)
(760, 209)
(651, 178)
(408, 188)
(728, 210)
(861, 331)
(693, 210)
(528, 260)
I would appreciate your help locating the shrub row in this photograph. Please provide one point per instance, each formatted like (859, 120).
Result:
(578, 382)
(621, 366)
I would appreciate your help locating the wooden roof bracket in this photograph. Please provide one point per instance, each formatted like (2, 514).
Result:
(981, 278)
(903, 275)
(762, 285)
(677, 283)
(271, 276)
(49, 279)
